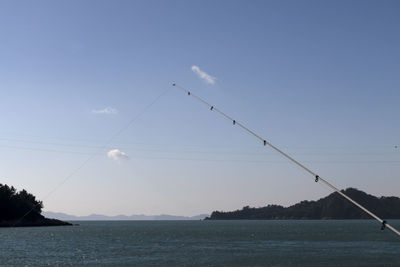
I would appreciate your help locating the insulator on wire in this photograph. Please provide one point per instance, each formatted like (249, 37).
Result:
(383, 225)
(317, 178)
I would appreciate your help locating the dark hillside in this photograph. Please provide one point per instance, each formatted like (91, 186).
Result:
(334, 206)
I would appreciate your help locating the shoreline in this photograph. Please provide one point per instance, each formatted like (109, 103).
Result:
(37, 223)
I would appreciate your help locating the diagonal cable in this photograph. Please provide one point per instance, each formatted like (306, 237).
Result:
(101, 148)
(265, 142)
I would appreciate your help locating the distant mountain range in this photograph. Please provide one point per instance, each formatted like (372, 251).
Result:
(99, 217)
(334, 206)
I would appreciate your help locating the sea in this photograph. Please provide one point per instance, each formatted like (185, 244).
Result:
(203, 243)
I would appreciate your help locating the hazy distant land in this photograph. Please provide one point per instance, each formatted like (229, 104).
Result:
(99, 217)
(20, 208)
(332, 206)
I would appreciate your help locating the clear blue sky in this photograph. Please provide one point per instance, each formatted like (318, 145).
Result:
(319, 79)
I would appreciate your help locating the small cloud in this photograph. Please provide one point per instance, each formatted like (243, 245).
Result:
(115, 154)
(107, 110)
(203, 75)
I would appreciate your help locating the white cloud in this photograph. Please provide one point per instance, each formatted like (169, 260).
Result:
(115, 154)
(203, 75)
(107, 110)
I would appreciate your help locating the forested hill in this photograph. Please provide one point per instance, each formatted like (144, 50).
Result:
(334, 206)
(20, 208)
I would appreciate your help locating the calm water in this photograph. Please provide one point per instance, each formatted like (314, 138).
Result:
(211, 243)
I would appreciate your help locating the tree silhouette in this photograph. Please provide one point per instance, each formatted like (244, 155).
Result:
(16, 204)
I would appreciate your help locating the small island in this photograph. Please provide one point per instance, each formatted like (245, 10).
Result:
(334, 206)
(20, 208)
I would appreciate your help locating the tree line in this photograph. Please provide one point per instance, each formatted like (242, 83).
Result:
(15, 204)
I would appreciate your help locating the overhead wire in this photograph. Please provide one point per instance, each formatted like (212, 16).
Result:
(317, 178)
(190, 152)
(392, 147)
(243, 156)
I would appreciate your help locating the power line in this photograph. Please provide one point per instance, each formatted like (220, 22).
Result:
(188, 151)
(393, 147)
(266, 143)
(242, 159)
(46, 150)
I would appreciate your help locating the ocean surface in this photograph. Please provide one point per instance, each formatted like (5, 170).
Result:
(202, 243)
